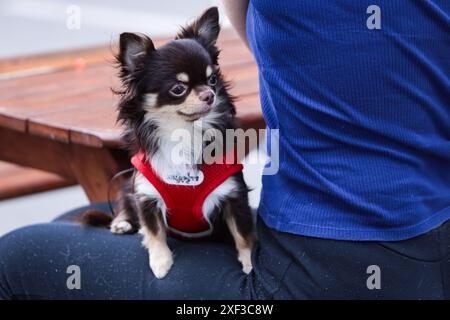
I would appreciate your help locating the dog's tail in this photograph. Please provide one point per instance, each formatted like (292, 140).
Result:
(99, 218)
(95, 218)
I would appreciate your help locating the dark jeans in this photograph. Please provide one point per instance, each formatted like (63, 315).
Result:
(34, 262)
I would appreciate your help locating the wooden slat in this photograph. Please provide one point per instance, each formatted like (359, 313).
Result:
(55, 81)
(98, 120)
(13, 121)
(36, 152)
(17, 181)
(62, 94)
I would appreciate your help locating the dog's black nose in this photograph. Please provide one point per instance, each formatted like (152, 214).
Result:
(207, 96)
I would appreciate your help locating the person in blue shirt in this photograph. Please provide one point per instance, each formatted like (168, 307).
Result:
(359, 95)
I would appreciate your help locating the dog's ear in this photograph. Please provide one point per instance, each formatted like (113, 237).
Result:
(205, 29)
(133, 50)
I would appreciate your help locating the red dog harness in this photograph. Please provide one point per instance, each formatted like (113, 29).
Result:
(184, 199)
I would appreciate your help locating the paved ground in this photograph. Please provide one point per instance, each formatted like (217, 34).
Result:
(38, 208)
(39, 26)
(31, 26)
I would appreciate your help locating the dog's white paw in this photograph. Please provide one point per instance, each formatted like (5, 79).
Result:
(121, 227)
(247, 268)
(245, 257)
(160, 263)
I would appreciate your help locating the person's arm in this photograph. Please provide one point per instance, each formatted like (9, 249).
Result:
(237, 11)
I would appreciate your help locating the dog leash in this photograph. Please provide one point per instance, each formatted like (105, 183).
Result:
(111, 181)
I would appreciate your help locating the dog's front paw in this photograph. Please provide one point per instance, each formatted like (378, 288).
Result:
(245, 257)
(161, 262)
(121, 227)
(247, 268)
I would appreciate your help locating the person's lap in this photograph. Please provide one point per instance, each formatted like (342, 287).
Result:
(34, 262)
(113, 266)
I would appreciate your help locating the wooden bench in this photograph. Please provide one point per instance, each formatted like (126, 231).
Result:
(17, 181)
(57, 112)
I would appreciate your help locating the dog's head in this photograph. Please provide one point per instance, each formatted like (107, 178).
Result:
(177, 83)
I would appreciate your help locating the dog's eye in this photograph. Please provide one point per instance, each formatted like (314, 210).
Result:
(178, 90)
(212, 80)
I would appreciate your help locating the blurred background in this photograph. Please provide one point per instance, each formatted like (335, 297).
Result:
(30, 27)
(39, 26)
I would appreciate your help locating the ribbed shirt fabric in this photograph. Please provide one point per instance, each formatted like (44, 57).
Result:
(363, 116)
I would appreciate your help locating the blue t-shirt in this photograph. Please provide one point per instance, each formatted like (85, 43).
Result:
(362, 104)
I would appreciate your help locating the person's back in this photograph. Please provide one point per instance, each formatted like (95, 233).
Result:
(360, 95)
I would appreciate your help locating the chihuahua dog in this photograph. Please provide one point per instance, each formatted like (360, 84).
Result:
(165, 89)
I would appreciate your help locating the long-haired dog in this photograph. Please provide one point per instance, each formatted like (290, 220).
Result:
(165, 89)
